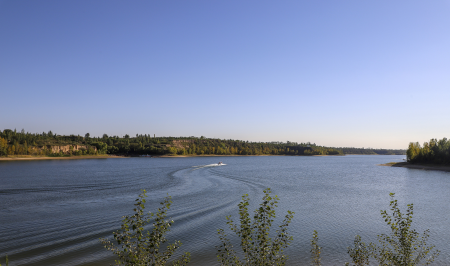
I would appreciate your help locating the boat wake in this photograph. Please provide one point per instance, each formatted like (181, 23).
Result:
(208, 165)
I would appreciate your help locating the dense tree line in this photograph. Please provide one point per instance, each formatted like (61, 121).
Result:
(370, 151)
(25, 143)
(435, 151)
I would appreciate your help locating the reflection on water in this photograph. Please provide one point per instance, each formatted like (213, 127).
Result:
(54, 212)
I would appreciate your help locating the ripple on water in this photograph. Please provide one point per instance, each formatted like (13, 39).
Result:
(53, 213)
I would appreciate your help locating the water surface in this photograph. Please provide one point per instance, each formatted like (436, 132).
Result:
(53, 212)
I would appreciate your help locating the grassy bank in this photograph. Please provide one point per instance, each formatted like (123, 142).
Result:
(30, 157)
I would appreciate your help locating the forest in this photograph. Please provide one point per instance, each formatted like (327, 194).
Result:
(433, 152)
(369, 151)
(13, 143)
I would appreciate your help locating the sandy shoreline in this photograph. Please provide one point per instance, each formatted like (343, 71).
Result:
(31, 158)
(206, 155)
(419, 166)
(230, 155)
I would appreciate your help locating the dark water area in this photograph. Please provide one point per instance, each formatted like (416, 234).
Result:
(54, 212)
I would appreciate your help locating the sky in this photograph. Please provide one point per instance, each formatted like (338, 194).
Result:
(335, 73)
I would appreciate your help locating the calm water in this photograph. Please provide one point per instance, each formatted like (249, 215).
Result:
(54, 212)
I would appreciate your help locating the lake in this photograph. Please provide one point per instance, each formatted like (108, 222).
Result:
(54, 212)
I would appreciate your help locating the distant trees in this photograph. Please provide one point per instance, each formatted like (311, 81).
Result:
(102, 148)
(113, 150)
(21, 143)
(25, 143)
(369, 151)
(172, 150)
(3, 147)
(435, 151)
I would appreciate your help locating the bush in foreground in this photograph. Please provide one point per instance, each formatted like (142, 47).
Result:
(138, 247)
(402, 247)
(135, 246)
(6, 260)
(257, 246)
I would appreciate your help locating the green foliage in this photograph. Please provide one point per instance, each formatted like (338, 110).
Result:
(403, 246)
(360, 253)
(21, 143)
(113, 150)
(435, 151)
(370, 151)
(138, 247)
(315, 250)
(6, 261)
(172, 150)
(257, 246)
(102, 148)
(3, 147)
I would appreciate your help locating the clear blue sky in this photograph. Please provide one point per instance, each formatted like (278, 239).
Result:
(337, 73)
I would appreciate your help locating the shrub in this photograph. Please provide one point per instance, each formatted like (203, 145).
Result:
(137, 247)
(257, 246)
(315, 250)
(360, 253)
(6, 261)
(402, 247)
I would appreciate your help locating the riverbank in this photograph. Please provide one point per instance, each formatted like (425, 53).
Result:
(418, 166)
(231, 155)
(207, 155)
(32, 158)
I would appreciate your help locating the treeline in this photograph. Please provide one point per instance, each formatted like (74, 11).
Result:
(435, 151)
(52, 144)
(370, 151)
(25, 143)
(44, 144)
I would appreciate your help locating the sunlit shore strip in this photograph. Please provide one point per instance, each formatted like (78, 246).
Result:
(31, 158)
(236, 155)
(418, 166)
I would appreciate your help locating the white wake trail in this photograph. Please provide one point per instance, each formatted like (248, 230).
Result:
(208, 165)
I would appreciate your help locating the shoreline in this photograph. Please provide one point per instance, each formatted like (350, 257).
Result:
(418, 166)
(207, 155)
(230, 155)
(36, 158)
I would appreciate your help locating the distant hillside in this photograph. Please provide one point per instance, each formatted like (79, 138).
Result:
(51, 144)
(371, 151)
